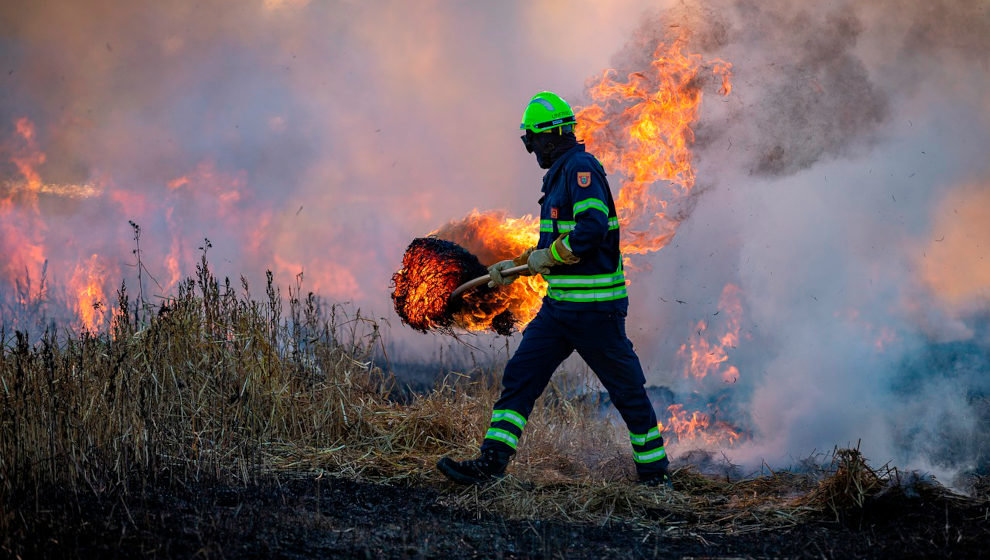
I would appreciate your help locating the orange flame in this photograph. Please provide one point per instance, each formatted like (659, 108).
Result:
(91, 301)
(22, 228)
(699, 427)
(493, 237)
(20, 222)
(642, 129)
(709, 358)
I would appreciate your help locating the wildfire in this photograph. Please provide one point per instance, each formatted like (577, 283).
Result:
(20, 221)
(642, 129)
(699, 427)
(91, 301)
(493, 237)
(706, 358)
(431, 270)
(23, 245)
(707, 361)
(639, 129)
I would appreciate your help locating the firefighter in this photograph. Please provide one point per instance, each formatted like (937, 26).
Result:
(584, 308)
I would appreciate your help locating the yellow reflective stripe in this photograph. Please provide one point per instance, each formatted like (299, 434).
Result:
(567, 243)
(586, 282)
(651, 435)
(553, 251)
(576, 296)
(546, 225)
(649, 456)
(566, 226)
(589, 203)
(503, 436)
(509, 416)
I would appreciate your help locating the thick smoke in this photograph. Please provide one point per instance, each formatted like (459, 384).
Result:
(841, 187)
(323, 137)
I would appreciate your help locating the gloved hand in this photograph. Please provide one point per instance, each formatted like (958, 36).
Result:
(495, 271)
(541, 260)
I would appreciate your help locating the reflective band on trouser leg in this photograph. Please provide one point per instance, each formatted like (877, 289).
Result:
(506, 427)
(510, 416)
(648, 447)
(505, 437)
(651, 435)
(649, 456)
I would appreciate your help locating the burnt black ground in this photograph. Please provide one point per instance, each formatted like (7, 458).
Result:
(342, 518)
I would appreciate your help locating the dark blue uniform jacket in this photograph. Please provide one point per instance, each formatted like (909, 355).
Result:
(577, 203)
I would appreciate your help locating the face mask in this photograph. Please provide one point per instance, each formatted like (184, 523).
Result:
(544, 145)
(548, 146)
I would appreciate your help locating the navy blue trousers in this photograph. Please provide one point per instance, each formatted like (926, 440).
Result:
(599, 337)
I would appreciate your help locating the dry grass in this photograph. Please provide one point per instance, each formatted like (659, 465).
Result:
(219, 386)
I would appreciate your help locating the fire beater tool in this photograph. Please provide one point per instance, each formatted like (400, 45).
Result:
(471, 284)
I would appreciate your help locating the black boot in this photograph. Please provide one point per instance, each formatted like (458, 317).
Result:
(656, 479)
(488, 466)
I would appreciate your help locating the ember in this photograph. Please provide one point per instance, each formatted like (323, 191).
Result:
(431, 270)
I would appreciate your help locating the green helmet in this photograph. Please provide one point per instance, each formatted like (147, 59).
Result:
(546, 110)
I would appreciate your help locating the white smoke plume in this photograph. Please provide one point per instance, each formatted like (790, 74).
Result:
(842, 187)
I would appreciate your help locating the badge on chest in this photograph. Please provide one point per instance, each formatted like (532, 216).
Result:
(553, 213)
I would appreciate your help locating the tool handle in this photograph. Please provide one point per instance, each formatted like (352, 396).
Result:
(471, 284)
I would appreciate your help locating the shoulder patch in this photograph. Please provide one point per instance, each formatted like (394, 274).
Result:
(584, 178)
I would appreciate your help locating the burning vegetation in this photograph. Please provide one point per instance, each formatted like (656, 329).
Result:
(641, 130)
(431, 270)
(221, 415)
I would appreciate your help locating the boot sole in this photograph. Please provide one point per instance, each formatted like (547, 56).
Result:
(445, 467)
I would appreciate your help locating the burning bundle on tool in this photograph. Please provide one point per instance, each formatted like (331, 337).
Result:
(431, 270)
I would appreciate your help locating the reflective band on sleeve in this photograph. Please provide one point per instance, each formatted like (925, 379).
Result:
(503, 436)
(546, 225)
(509, 416)
(590, 203)
(613, 223)
(651, 435)
(649, 456)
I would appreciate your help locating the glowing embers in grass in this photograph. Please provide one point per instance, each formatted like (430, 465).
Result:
(431, 270)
